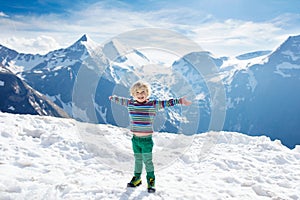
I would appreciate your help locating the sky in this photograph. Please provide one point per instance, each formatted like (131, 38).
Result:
(223, 27)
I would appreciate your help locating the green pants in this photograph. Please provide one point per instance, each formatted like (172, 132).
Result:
(142, 148)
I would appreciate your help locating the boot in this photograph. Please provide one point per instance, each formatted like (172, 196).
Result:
(135, 181)
(151, 185)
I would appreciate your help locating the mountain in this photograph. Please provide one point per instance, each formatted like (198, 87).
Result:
(75, 78)
(56, 74)
(265, 97)
(18, 97)
(262, 91)
(251, 55)
(55, 158)
(18, 62)
(260, 88)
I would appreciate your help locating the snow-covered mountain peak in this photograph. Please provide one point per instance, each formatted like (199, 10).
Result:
(88, 43)
(289, 51)
(291, 48)
(252, 55)
(293, 41)
(114, 49)
(84, 38)
(83, 42)
(7, 50)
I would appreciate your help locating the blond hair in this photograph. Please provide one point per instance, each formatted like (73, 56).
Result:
(140, 85)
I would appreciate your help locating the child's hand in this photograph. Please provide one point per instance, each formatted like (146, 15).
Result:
(184, 101)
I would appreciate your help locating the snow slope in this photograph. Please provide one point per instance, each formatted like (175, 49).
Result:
(53, 158)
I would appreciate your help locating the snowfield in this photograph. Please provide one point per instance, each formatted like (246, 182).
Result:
(54, 158)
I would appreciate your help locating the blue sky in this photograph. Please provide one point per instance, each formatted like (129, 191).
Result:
(223, 27)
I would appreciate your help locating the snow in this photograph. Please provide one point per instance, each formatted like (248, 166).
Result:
(233, 64)
(20, 63)
(2, 69)
(200, 96)
(67, 107)
(291, 54)
(54, 158)
(160, 56)
(285, 66)
(11, 108)
(59, 67)
(90, 45)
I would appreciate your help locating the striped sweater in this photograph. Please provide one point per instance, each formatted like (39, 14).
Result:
(142, 114)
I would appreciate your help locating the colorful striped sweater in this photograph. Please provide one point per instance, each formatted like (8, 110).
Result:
(142, 114)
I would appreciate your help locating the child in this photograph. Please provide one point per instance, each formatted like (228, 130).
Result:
(141, 113)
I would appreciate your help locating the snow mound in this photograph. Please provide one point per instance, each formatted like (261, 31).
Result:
(54, 158)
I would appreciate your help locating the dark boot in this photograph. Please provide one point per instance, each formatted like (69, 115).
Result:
(135, 181)
(151, 185)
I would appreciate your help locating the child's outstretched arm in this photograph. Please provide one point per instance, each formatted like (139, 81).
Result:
(184, 101)
(172, 102)
(119, 100)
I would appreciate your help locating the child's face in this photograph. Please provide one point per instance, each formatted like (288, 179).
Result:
(140, 95)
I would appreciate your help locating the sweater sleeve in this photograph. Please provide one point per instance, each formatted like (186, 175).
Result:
(120, 100)
(160, 104)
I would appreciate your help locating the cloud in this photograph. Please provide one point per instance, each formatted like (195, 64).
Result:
(232, 37)
(2, 14)
(41, 44)
(39, 34)
(287, 21)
